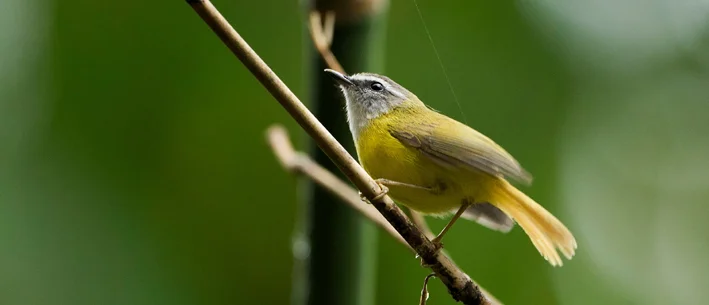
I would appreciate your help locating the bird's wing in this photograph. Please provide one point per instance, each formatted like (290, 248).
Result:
(455, 145)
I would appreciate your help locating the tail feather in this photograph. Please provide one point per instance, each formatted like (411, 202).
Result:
(546, 232)
(489, 216)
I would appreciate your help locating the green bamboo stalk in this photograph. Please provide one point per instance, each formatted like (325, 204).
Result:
(337, 259)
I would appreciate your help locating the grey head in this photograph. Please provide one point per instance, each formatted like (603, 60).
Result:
(368, 96)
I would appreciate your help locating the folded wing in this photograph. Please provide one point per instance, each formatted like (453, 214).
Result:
(455, 145)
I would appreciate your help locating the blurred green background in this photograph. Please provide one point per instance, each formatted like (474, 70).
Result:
(133, 166)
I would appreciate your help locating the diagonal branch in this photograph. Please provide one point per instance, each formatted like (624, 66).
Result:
(459, 284)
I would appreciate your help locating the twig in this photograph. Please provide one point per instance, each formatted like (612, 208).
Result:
(424, 290)
(329, 28)
(459, 284)
(322, 38)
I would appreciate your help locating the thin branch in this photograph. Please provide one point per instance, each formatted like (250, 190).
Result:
(424, 290)
(322, 38)
(459, 284)
(329, 27)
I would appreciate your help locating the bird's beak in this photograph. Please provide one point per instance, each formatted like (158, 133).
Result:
(340, 78)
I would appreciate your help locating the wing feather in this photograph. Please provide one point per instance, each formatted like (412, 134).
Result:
(454, 145)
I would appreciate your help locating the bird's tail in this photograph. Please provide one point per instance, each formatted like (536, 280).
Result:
(546, 232)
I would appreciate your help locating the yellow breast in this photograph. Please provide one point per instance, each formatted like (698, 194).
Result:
(383, 156)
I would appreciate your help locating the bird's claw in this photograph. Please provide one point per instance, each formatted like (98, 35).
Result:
(381, 194)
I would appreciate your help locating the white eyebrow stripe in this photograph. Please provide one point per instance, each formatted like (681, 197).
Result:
(381, 81)
(369, 78)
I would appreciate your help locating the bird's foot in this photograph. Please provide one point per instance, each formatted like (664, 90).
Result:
(382, 193)
(437, 244)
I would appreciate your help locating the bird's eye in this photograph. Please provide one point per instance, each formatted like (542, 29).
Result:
(377, 86)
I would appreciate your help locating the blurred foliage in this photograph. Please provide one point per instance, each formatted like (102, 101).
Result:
(134, 169)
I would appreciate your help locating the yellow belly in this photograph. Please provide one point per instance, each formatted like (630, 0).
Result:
(383, 156)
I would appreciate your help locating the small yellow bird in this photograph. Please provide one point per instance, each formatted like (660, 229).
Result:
(436, 165)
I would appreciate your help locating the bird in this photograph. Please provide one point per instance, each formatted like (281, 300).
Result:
(438, 166)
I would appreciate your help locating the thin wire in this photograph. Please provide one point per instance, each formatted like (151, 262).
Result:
(440, 62)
